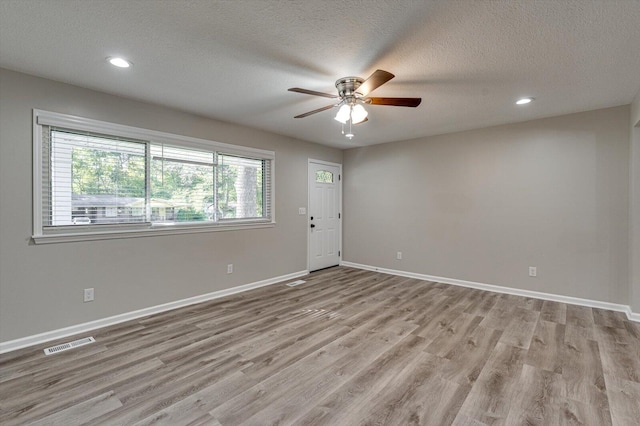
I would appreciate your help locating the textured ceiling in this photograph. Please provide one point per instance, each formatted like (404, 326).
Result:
(235, 60)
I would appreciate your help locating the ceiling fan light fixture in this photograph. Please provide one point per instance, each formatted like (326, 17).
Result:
(344, 113)
(358, 114)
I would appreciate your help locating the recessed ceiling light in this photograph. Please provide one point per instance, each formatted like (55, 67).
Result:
(119, 62)
(524, 101)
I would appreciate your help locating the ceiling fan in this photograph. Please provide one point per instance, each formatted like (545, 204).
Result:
(352, 95)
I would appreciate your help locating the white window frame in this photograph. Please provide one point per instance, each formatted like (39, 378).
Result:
(100, 232)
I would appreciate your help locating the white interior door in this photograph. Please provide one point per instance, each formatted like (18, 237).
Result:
(325, 204)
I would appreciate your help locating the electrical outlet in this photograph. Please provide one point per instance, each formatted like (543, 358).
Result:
(533, 271)
(88, 295)
(230, 268)
(399, 255)
(302, 210)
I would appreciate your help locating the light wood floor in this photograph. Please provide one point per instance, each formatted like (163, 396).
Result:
(348, 347)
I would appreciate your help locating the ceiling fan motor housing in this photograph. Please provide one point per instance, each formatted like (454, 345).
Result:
(347, 87)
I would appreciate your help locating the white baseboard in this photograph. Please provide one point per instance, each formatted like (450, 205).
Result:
(36, 339)
(508, 290)
(632, 315)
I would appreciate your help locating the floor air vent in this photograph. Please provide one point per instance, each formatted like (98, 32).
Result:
(66, 346)
(295, 283)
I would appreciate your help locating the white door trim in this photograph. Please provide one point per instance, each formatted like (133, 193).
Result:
(339, 166)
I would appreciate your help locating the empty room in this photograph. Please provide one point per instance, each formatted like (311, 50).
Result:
(296, 212)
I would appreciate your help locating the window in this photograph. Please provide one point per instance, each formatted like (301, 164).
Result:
(323, 176)
(182, 182)
(94, 178)
(240, 187)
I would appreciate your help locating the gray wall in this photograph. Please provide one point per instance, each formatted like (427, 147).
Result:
(481, 205)
(634, 241)
(41, 286)
(484, 205)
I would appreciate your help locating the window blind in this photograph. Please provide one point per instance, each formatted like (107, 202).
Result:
(182, 184)
(91, 179)
(243, 188)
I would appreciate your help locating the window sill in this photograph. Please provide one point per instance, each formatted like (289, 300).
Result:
(146, 232)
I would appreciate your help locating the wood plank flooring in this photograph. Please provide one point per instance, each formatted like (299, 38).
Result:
(349, 347)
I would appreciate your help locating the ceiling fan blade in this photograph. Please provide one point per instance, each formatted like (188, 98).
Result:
(375, 80)
(306, 114)
(405, 102)
(363, 121)
(312, 92)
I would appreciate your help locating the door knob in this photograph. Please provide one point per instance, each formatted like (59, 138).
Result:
(313, 226)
